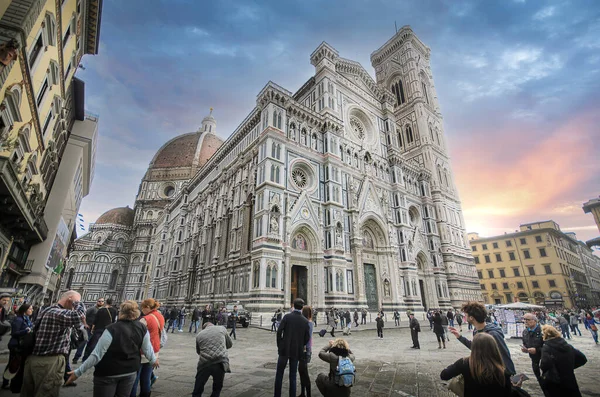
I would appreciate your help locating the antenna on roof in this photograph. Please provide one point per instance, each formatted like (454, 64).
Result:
(396, 26)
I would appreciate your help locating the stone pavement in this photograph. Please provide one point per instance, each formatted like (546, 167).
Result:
(385, 367)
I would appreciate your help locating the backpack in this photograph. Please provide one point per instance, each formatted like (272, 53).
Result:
(345, 372)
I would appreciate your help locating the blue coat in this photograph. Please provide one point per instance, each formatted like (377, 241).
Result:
(19, 328)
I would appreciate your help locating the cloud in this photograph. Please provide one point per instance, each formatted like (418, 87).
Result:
(544, 13)
(196, 31)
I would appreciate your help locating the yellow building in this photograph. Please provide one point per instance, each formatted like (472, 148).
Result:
(41, 45)
(537, 264)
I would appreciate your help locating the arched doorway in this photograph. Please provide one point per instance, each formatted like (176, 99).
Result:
(426, 299)
(302, 266)
(373, 248)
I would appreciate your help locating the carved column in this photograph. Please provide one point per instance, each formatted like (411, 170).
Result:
(287, 281)
(359, 274)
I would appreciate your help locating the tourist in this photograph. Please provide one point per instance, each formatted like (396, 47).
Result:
(234, 316)
(444, 318)
(564, 326)
(396, 318)
(331, 354)
(574, 322)
(278, 316)
(355, 318)
(590, 323)
(450, 316)
(459, 320)
(438, 329)
(532, 344)
(206, 313)
(558, 363)
(306, 357)
(292, 337)
(363, 319)
(90, 316)
(44, 368)
(4, 309)
(116, 357)
(22, 327)
(348, 318)
(342, 320)
(181, 318)
(415, 328)
(483, 371)
(430, 318)
(379, 321)
(331, 321)
(155, 323)
(211, 345)
(105, 316)
(195, 320)
(172, 323)
(476, 315)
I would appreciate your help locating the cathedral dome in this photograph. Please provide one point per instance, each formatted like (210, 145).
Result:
(119, 216)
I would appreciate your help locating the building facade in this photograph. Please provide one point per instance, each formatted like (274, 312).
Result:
(593, 206)
(41, 118)
(340, 193)
(538, 264)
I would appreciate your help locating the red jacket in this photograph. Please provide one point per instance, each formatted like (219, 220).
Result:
(154, 328)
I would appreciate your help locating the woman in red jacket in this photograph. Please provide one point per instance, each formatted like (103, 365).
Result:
(155, 323)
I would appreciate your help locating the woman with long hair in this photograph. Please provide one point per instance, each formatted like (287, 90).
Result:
(21, 327)
(303, 363)
(117, 355)
(155, 323)
(331, 353)
(483, 371)
(438, 330)
(558, 363)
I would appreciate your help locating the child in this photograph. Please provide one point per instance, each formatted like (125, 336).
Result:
(379, 321)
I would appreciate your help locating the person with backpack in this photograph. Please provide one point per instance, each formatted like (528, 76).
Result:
(341, 375)
(379, 321)
(558, 363)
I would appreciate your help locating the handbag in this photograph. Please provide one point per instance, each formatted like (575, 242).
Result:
(457, 385)
(162, 334)
(594, 328)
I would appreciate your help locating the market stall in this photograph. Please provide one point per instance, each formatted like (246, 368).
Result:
(510, 317)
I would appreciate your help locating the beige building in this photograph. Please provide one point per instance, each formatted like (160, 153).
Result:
(537, 264)
(42, 121)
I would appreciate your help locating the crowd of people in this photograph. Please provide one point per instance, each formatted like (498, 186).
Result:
(123, 347)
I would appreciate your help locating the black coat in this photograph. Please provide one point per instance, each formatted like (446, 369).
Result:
(437, 325)
(558, 353)
(414, 325)
(534, 339)
(292, 335)
(472, 387)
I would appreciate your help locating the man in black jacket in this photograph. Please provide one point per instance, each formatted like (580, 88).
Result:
(415, 328)
(532, 344)
(292, 335)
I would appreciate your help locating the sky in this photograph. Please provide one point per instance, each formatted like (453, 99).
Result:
(517, 81)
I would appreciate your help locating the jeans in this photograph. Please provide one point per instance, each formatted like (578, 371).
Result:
(181, 323)
(82, 345)
(232, 333)
(451, 322)
(218, 374)
(565, 331)
(575, 329)
(304, 377)
(91, 345)
(396, 321)
(172, 324)
(594, 335)
(105, 386)
(363, 319)
(143, 378)
(281, 364)
(194, 324)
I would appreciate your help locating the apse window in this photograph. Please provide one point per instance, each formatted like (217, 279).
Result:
(169, 191)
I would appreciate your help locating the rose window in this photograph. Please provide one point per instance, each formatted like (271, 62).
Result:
(357, 128)
(300, 178)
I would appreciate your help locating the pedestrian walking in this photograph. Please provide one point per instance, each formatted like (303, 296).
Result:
(206, 313)
(173, 316)
(116, 357)
(211, 345)
(590, 323)
(348, 318)
(558, 363)
(380, 323)
(90, 317)
(342, 319)
(445, 326)
(292, 337)
(181, 318)
(430, 318)
(363, 316)
(234, 319)
(450, 317)
(415, 328)
(328, 384)
(155, 323)
(438, 330)
(305, 390)
(476, 315)
(574, 320)
(483, 371)
(564, 327)
(331, 321)
(105, 316)
(21, 329)
(44, 368)
(195, 320)
(459, 320)
(396, 318)
(532, 344)
(355, 317)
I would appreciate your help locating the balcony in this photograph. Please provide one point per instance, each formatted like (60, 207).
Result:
(19, 214)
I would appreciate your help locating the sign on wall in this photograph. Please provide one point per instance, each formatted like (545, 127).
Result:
(59, 247)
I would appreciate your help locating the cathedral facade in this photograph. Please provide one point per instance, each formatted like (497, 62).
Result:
(340, 193)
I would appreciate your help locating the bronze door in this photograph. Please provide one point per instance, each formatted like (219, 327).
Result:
(299, 282)
(371, 286)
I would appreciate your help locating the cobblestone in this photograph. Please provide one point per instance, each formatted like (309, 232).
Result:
(385, 367)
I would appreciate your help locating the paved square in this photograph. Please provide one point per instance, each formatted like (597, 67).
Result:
(385, 367)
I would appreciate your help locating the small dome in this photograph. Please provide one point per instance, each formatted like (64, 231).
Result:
(119, 216)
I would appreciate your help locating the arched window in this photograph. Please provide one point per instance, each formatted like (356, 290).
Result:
(274, 277)
(398, 90)
(13, 102)
(293, 131)
(269, 276)
(339, 282)
(149, 215)
(112, 284)
(446, 177)
(274, 150)
(400, 140)
(403, 255)
(431, 133)
(120, 243)
(70, 279)
(175, 266)
(266, 119)
(409, 135)
(303, 137)
(274, 119)
(50, 33)
(315, 142)
(279, 121)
